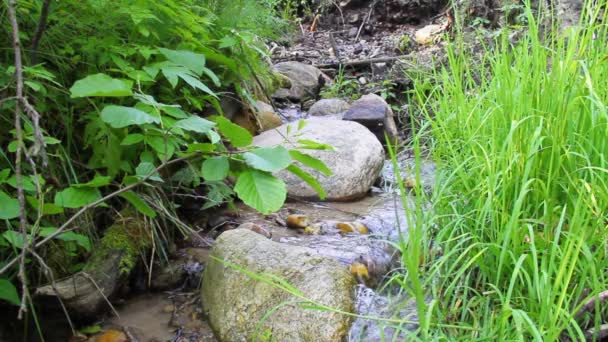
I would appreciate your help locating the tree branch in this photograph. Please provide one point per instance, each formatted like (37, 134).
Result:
(12, 14)
(44, 15)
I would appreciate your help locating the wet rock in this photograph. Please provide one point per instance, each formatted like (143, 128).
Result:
(266, 117)
(378, 256)
(374, 113)
(328, 107)
(256, 229)
(236, 303)
(355, 162)
(306, 81)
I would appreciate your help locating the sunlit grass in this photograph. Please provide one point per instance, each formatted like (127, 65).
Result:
(518, 224)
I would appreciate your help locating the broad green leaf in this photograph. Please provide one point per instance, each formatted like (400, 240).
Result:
(313, 145)
(165, 148)
(309, 179)
(237, 135)
(9, 208)
(101, 85)
(191, 60)
(28, 184)
(201, 147)
(195, 124)
(4, 175)
(15, 238)
(97, 182)
(138, 203)
(197, 84)
(132, 139)
(120, 117)
(310, 161)
(76, 197)
(216, 168)
(269, 159)
(47, 208)
(146, 169)
(175, 112)
(214, 138)
(261, 191)
(82, 240)
(8, 292)
(213, 77)
(228, 41)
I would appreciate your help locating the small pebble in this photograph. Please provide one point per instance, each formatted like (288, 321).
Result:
(297, 221)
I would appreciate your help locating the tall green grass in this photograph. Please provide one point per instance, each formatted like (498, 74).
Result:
(516, 238)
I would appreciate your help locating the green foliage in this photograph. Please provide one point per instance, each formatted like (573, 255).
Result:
(8, 292)
(122, 86)
(516, 240)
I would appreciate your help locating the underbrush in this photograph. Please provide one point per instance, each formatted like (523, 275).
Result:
(514, 244)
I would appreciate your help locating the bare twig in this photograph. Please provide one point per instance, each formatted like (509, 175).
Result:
(12, 14)
(371, 9)
(334, 46)
(44, 14)
(360, 62)
(590, 303)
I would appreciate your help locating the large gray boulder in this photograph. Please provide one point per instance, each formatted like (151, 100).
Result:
(236, 304)
(328, 107)
(356, 161)
(374, 113)
(306, 81)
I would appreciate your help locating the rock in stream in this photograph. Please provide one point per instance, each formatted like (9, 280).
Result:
(356, 161)
(236, 303)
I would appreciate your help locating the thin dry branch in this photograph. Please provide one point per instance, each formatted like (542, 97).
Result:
(44, 15)
(12, 14)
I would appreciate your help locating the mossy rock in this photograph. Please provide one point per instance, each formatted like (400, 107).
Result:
(237, 304)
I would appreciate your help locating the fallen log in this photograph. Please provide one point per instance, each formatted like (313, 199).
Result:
(87, 292)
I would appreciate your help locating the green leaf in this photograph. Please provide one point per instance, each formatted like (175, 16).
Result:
(261, 191)
(138, 203)
(145, 168)
(301, 124)
(9, 208)
(132, 139)
(201, 147)
(195, 124)
(191, 60)
(237, 135)
(47, 208)
(216, 168)
(73, 197)
(101, 85)
(97, 182)
(8, 292)
(120, 117)
(15, 238)
(197, 84)
(310, 161)
(213, 77)
(313, 145)
(175, 112)
(309, 179)
(82, 240)
(164, 148)
(269, 159)
(4, 175)
(28, 184)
